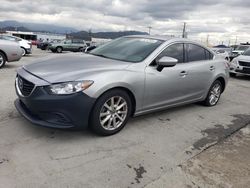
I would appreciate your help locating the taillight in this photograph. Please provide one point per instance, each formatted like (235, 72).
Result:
(227, 65)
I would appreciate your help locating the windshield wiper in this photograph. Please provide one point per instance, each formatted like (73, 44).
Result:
(100, 55)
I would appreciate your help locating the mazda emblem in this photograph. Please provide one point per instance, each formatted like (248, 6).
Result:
(20, 83)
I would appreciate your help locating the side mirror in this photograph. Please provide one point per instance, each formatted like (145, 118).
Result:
(166, 61)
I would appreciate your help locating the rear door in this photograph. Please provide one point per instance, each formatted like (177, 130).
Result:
(200, 69)
(67, 45)
(185, 82)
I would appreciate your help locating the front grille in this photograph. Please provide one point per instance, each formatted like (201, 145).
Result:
(245, 64)
(25, 86)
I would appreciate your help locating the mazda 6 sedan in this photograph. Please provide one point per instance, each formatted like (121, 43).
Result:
(126, 77)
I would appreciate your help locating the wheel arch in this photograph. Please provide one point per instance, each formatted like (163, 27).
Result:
(127, 90)
(5, 55)
(223, 82)
(59, 47)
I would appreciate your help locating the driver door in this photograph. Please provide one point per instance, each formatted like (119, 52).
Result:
(171, 85)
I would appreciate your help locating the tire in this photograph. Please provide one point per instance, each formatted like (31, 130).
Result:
(23, 51)
(2, 60)
(214, 94)
(59, 49)
(81, 49)
(106, 120)
(232, 74)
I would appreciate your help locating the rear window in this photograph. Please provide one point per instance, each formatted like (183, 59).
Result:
(197, 53)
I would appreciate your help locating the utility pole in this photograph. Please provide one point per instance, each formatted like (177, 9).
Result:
(149, 29)
(207, 39)
(184, 34)
(236, 40)
(90, 34)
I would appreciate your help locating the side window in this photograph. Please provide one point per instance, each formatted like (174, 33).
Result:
(9, 38)
(195, 53)
(68, 42)
(209, 55)
(175, 51)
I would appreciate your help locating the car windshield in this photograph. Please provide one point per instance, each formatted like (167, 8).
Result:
(247, 52)
(129, 49)
(243, 48)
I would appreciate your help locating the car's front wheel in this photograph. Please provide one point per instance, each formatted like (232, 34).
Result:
(59, 49)
(2, 60)
(214, 94)
(111, 112)
(24, 52)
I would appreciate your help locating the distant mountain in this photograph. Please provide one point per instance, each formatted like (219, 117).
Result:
(106, 35)
(11, 24)
(10, 28)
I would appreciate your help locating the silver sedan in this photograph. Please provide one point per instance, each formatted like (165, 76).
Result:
(126, 77)
(9, 51)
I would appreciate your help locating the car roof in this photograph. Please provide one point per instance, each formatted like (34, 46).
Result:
(160, 37)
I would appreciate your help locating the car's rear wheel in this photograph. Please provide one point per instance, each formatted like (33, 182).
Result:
(59, 49)
(81, 49)
(214, 94)
(111, 112)
(2, 60)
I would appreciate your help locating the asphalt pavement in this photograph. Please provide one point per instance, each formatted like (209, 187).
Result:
(164, 149)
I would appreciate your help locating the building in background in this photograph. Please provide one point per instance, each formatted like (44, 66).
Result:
(34, 36)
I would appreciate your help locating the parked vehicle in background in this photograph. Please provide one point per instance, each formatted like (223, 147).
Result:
(92, 46)
(24, 44)
(223, 52)
(73, 45)
(241, 64)
(45, 45)
(9, 51)
(239, 50)
(126, 77)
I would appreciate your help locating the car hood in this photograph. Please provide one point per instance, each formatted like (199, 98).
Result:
(243, 58)
(72, 66)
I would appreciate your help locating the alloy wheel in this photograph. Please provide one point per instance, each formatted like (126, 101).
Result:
(23, 52)
(215, 94)
(113, 113)
(1, 60)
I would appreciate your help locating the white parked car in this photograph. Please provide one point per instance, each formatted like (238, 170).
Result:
(241, 64)
(25, 44)
(9, 51)
(222, 52)
(240, 50)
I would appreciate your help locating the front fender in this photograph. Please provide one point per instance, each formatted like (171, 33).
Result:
(130, 80)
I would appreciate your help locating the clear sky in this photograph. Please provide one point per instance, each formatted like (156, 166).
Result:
(222, 20)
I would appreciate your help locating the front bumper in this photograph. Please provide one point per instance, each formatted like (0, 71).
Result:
(241, 70)
(65, 111)
(28, 50)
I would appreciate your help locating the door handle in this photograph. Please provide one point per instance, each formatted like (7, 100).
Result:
(212, 68)
(183, 73)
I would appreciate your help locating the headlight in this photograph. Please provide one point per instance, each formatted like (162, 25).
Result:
(69, 87)
(234, 62)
